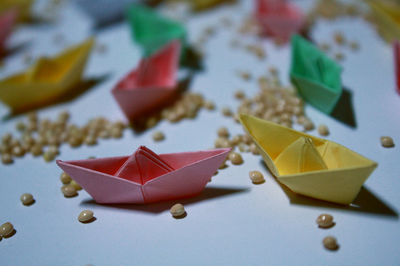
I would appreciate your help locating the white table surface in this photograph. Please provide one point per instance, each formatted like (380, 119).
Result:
(233, 222)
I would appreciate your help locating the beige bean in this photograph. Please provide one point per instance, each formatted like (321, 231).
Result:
(90, 140)
(239, 94)
(65, 178)
(158, 136)
(256, 177)
(177, 211)
(36, 149)
(86, 216)
(49, 155)
(209, 105)
(254, 149)
(308, 125)
(27, 199)
(69, 191)
(339, 38)
(235, 158)
(330, 243)
(223, 132)
(6, 229)
(387, 142)
(6, 158)
(6, 139)
(323, 130)
(226, 111)
(18, 151)
(325, 221)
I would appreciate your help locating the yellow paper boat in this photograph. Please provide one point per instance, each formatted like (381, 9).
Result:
(46, 79)
(308, 165)
(387, 15)
(23, 8)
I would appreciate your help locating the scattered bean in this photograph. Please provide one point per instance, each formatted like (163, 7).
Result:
(158, 136)
(27, 199)
(86, 216)
(65, 178)
(69, 191)
(330, 243)
(323, 130)
(235, 158)
(6, 229)
(177, 211)
(387, 142)
(256, 177)
(325, 221)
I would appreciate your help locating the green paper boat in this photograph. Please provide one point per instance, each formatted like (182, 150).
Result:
(315, 75)
(153, 31)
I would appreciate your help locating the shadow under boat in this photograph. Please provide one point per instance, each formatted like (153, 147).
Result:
(208, 193)
(344, 111)
(139, 125)
(73, 93)
(365, 202)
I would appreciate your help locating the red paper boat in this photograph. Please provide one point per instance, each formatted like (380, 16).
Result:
(7, 21)
(145, 177)
(396, 51)
(278, 18)
(151, 84)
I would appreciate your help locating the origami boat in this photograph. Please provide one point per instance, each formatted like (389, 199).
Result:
(387, 16)
(308, 165)
(46, 79)
(7, 21)
(145, 177)
(150, 84)
(279, 18)
(103, 12)
(153, 31)
(316, 76)
(23, 8)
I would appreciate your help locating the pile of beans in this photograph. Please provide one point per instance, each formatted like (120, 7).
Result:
(274, 103)
(69, 188)
(43, 137)
(187, 106)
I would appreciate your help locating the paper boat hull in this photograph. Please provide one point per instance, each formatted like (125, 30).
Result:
(336, 184)
(280, 27)
(316, 94)
(137, 102)
(20, 94)
(153, 31)
(316, 76)
(193, 171)
(340, 186)
(151, 85)
(389, 29)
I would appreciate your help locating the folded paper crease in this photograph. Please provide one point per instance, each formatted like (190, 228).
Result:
(145, 177)
(308, 165)
(151, 84)
(316, 76)
(46, 80)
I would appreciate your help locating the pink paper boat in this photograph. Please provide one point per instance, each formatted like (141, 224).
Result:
(278, 18)
(151, 84)
(145, 177)
(7, 21)
(396, 54)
